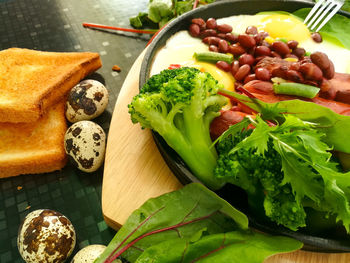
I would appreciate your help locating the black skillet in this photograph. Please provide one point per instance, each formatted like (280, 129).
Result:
(332, 240)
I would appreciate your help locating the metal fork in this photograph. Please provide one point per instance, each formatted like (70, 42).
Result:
(320, 10)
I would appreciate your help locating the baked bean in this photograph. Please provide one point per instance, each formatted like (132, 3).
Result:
(316, 37)
(208, 33)
(211, 23)
(242, 72)
(232, 38)
(211, 40)
(262, 51)
(275, 54)
(299, 52)
(246, 41)
(294, 66)
(223, 65)
(234, 67)
(311, 71)
(224, 28)
(294, 75)
(281, 48)
(246, 59)
(320, 59)
(292, 44)
(200, 22)
(329, 73)
(248, 78)
(262, 74)
(251, 30)
(223, 46)
(236, 49)
(194, 30)
(213, 48)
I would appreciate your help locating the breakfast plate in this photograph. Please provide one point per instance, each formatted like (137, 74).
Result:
(334, 239)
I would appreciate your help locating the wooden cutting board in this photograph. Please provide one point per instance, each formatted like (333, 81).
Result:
(135, 171)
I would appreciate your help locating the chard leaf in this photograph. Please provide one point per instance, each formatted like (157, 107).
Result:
(158, 10)
(175, 215)
(219, 248)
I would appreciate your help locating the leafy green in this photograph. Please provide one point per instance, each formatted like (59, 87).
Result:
(304, 163)
(192, 225)
(332, 124)
(334, 28)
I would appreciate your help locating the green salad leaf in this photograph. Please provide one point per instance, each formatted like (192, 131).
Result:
(336, 28)
(192, 224)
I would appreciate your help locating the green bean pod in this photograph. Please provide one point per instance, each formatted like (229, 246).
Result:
(296, 89)
(213, 57)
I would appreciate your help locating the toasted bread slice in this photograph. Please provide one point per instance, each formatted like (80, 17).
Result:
(31, 81)
(31, 148)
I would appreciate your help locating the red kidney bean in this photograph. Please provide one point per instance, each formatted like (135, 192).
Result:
(232, 38)
(234, 67)
(246, 59)
(194, 30)
(211, 23)
(292, 44)
(320, 59)
(224, 28)
(251, 51)
(200, 22)
(299, 52)
(294, 66)
(242, 72)
(327, 91)
(305, 60)
(262, 51)
(294, 76)
(246, 41)
(257, 59)
(236, 49)
(263, 74)
(275, 54)
(208, 33)
(251, 30)
(329, 73)
(311, 71)
(213, 48)
(223, 65)
(279, 72)
(316, 37)
(291, 56)
(223, 46)
(281, 48)
(265, 87)
(248, 78)
(211, 40)
(221, 35)
(311, 83)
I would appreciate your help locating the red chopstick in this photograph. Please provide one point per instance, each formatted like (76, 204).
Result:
(140, 31)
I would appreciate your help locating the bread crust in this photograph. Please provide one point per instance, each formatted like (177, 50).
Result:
(31, 81)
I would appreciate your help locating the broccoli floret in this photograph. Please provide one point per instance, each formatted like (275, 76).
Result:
(180, 104)
(255, 173)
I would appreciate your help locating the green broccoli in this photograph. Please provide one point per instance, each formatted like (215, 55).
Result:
(180, 104)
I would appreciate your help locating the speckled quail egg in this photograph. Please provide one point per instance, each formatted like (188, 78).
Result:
(85, 143)
(86, 101)
(46, 236)
(88, 254)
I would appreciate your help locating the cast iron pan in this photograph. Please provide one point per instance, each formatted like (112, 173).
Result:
(332, 240)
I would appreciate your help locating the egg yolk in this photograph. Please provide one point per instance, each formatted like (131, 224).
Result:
(284, 26)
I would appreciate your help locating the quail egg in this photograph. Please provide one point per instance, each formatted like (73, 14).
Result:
(46, 236)
(88, 254)
(85, 143)
(86, 101)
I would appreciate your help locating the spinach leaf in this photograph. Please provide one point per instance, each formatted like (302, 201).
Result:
(337, 27)
(332, 124)
(189, 225)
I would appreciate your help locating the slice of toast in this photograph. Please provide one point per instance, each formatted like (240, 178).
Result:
(31, 81)
(32, 148)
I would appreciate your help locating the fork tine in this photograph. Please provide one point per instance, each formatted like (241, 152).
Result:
(335, 10)
(325, 12)
(318, 13)
(314, 9)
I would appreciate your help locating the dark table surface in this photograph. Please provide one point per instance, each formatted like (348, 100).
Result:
(56, 25)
